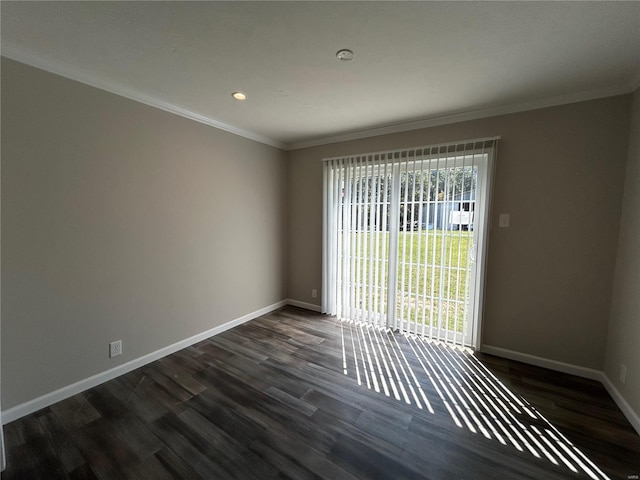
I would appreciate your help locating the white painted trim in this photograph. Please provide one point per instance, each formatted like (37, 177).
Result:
(543, 362)
(468, 115)
(305, 305)
(48, 399)
(632, 416)
(14, 53)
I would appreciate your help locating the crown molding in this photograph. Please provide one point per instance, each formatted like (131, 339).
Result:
(14, 53)
(465, 116)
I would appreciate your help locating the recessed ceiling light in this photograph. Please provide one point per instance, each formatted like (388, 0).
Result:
(239, 95)
(345, 55)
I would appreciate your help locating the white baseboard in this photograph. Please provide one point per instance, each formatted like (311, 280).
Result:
(305, 305)
(543, 362)
(48, 399)
(632, 416)
(563, 367)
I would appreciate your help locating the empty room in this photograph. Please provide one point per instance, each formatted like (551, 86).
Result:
(337, 240)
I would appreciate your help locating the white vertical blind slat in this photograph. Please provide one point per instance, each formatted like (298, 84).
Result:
(377, 234)
(363, 236)
(409, 234)
(338, 216)
(358, 282)
(328, 272)
(433, 314)
(353, 240)
(419, 263)
(362, 251)
(385, 263)
(394, 226)
(424, 219)
(373, 204)
(459, 252)
(403, 252)
(342, 246)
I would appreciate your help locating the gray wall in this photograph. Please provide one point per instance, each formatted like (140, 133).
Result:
(624, 327)
(560, 174)
(121, 221)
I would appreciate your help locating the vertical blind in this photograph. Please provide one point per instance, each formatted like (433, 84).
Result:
(399, 240)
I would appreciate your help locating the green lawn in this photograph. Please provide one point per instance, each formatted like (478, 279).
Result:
(432, 264)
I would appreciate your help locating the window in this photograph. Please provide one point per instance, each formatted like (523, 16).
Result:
(404, 238)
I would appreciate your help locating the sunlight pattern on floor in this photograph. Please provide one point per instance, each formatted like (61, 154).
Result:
(398, 365)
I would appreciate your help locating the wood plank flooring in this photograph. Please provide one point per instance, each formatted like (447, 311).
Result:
(297, 395)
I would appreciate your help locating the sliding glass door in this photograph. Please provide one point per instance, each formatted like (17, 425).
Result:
(405, 234)
(436, 240)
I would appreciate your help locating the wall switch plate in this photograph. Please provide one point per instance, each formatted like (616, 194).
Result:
(115, 348)
(623, 374)
(314, 293)
(503, 220)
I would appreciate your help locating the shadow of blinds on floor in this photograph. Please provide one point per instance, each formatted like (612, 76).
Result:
(430, 374)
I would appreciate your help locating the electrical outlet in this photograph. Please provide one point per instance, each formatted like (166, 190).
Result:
(314, 293)
(623, 374)
(115, 348)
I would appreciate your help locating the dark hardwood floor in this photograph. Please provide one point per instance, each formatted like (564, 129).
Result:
(297, 395)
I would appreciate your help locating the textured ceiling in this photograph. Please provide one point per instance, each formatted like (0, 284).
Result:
(415, 63)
